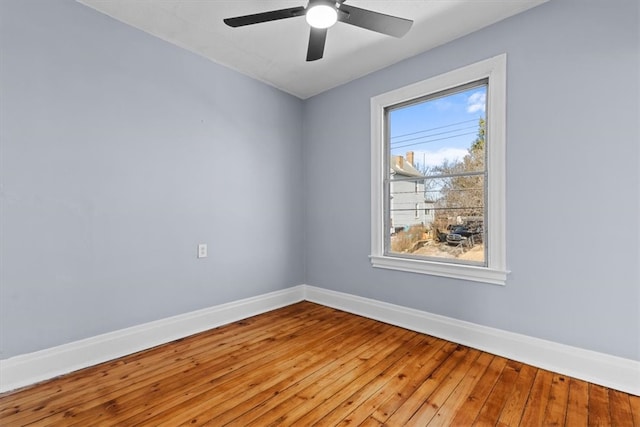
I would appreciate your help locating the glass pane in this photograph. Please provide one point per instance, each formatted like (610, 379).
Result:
(441, 218)
(441, 135)
(436, 185)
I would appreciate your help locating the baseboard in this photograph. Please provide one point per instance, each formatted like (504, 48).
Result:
(27, 369)
(598, 368)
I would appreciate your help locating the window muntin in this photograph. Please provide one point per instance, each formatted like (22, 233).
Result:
(445, 138)
(492, 269)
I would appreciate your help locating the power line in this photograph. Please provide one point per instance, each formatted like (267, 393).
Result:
(434, 140)
(438, 190)
(435, 128)
(461, 208)
(435, 134)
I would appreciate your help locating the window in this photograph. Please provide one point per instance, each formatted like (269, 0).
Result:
(438, 175)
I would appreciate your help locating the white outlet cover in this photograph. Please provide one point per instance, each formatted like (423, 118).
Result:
(202, 250)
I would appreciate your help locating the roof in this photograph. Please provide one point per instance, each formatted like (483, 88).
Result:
(402, 167)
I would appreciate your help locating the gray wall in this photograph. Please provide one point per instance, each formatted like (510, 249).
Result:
(119, 154)
(573, 192)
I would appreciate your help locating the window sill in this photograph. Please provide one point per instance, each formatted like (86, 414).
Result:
(455, 271)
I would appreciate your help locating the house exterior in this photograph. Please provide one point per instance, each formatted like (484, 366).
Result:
(408, 203)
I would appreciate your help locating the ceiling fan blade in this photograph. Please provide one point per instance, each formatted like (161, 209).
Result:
(374, 21)
(257, 18)
(317, 38)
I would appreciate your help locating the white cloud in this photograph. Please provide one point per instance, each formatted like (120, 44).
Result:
(442, 104)
(436, 158)
(477, 102)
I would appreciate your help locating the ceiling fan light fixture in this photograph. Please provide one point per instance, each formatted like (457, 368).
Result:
(322, 15)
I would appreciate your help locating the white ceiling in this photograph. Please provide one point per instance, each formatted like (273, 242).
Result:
(274, 52)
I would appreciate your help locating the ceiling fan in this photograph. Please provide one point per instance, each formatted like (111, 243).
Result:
(322, 14)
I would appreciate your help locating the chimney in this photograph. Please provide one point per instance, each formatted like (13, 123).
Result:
(400, 162)
(410, 158)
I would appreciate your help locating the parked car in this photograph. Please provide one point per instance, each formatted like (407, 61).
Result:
(461, 235)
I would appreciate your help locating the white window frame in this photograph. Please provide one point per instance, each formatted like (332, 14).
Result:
(495, 272)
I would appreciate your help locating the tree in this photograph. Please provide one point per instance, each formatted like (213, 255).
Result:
(463, 195)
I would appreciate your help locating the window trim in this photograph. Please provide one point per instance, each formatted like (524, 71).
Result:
(493, 69)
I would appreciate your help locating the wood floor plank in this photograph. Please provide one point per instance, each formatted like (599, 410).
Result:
(556, 411)
(449, 409)
(328, 412)
(306, 364)
(436, 400)
(359, 405)
(492, 408)
(370, 422)
(362, 393)
(620, 408)
(400, 396)
(634, 402)
(401, 379)
(514, 407)
(598, 406)
(422, 393)
(538, 399)
(578, 403)
(478, 396)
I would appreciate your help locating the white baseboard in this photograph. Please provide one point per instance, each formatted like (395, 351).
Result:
(599, 368)
(27, 369)
(610, 371)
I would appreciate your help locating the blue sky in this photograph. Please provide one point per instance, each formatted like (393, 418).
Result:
(438, 129)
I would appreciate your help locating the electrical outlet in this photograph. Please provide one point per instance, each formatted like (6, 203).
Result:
(202, 250)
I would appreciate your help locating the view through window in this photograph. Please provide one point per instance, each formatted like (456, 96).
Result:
(435, 190)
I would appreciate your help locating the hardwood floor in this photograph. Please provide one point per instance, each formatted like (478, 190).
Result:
(311, 365)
